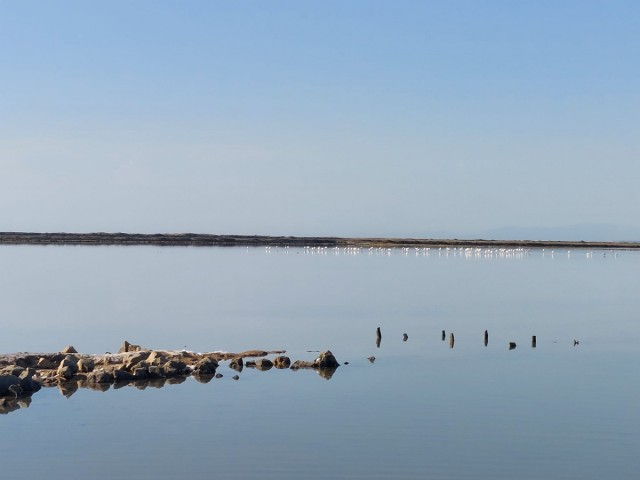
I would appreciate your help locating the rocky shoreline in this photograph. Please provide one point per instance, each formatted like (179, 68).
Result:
(207, 240)
(23, 374)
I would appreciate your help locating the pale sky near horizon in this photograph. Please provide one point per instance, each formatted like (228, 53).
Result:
(351, 118)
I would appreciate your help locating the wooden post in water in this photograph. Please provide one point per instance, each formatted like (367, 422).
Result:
(512, 345)
(451, 341)
(378, 337)
(444, 335)
(486, 338)
(533, 342)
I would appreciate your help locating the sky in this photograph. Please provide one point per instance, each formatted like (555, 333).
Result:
(345, 118)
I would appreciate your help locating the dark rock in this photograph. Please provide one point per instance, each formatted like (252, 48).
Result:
(28, 361)
(206, 366)
(219, 375)
(405, 337)
(120, 375)
(86, 365)
(236, 364)
(15, 370)
(372, 359)
(45, 363)
(298, 364)
(133, 360)
(8, 384)
(281, 362)
(129, 347)
(174, 367)
(141, 373)
(512, 345)
(236, 377)
(27, 383)
(66, 372)
(326, 360)
(68, 367)
(156, 372)
(157, 358)
(264, 364)
(100, 376)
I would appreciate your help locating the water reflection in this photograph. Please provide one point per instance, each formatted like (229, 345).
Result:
(8, 405)
(574, 414)
(69, 387)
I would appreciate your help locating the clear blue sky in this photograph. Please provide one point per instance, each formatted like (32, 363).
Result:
(392, 118)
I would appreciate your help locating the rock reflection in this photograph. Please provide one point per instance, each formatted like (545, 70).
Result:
(98, 387)
(137, 369)
(8, 405)
(326, 373)
(181, 379)
(202, 378)
(68, 388)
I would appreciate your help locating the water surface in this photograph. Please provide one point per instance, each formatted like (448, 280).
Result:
(421, 410)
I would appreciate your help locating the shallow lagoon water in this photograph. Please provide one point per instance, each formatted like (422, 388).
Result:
(421, 410)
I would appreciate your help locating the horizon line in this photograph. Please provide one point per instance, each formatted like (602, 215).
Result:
(225, 240)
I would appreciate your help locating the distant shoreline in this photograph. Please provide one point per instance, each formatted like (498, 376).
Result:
(208, 240)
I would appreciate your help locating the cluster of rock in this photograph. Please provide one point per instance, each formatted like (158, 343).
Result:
(23, 374)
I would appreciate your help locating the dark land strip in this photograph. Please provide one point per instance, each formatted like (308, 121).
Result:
(207, 240)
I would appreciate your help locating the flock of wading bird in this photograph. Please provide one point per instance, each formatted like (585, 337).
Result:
(452, 340)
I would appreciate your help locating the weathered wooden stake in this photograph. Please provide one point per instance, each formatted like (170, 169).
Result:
(512, 345)
(444, 335)
(451, 341)
(486, 338)
(378, 337)
(533, 341)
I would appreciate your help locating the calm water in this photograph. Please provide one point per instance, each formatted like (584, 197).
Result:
(421, 410)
